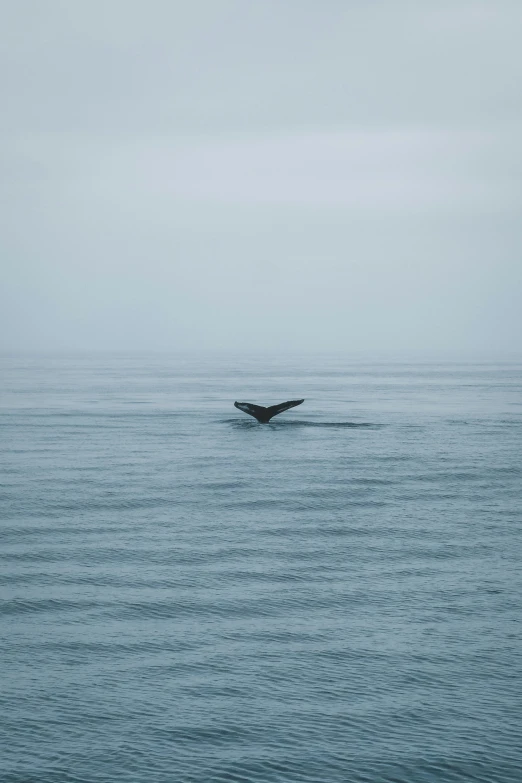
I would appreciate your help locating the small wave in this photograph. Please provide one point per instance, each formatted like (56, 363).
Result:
(16, 606)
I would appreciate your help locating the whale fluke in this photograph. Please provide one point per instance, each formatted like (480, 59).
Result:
(262, 414)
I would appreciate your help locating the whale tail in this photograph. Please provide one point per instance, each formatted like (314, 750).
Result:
(262, 414)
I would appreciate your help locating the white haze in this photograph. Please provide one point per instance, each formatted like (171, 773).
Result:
(296, 175)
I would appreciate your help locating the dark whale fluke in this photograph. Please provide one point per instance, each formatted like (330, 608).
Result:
(263, 415)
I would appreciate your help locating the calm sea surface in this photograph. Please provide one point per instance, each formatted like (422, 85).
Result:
(187, 595)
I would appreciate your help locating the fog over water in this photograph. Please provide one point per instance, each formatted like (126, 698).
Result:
(219, 200)
(261, 176)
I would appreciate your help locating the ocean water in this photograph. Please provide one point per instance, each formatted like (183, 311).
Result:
(188, 595)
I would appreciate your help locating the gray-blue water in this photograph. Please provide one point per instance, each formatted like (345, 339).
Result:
(187, 595)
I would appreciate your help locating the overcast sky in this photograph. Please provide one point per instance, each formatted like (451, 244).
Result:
(261, 174)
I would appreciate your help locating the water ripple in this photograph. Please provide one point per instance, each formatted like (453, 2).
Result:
(191, 597)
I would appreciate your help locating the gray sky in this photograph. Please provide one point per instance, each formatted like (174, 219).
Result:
(279, 174)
